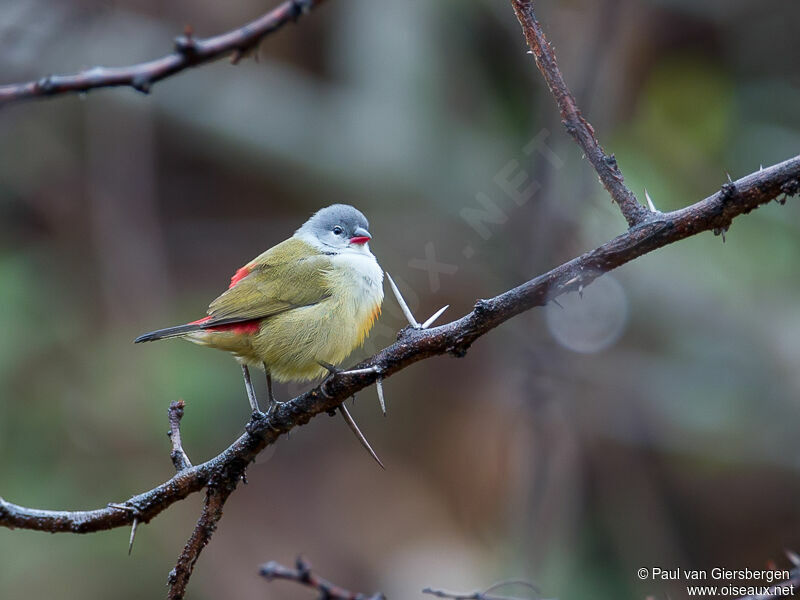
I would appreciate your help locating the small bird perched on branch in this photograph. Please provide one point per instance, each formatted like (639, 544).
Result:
(299, 308)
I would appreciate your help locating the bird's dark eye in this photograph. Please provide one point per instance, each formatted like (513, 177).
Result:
(338, 230)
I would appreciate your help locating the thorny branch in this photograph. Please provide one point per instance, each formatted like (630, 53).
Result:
(303, 575)
(574, 122)
(220, 475)
(487, 593)
(189, 52)
(217, 493)
(715, 212)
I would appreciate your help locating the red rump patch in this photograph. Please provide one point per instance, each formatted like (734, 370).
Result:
(239, 275)
(243, 328)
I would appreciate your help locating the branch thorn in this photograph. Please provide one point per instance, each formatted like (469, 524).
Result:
(354, 428)
(141, 84)
(402, 302)
(650, 201)
(134, 526)
(379, 386)
(434, 316)
(302, 7)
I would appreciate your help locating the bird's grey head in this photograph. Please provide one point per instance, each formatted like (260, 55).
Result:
(337, 227)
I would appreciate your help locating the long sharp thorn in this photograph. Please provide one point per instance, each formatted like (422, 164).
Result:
(379, 386)
(649, 201)
(328, 367)
(359, 371)
(133, 534)
(434, 316)
(401, 301)
(354, 428)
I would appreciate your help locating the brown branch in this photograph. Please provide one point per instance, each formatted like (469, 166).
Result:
(713, 213)
(303, 575)
(178, 456)
(216, 494)
(189, 52)
(572, 119)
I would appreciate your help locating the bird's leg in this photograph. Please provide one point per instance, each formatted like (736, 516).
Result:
(272, 401)
(348, 418)
(251, 393)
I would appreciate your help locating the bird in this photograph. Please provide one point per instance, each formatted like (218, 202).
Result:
(298, 309)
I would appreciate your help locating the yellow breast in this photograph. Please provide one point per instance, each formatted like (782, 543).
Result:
(293, 343)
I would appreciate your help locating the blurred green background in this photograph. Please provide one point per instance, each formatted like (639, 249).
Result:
(669, 440)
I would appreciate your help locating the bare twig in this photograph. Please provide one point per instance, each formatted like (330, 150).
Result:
(486, 594)
(178, 456)
(574, 122)
(303, 575)
(216, 494)
(189, 52)
(718, 210)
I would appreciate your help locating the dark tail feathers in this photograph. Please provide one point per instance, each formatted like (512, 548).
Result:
(169, 332)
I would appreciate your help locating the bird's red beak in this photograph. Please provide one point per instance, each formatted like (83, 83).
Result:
(359, 239)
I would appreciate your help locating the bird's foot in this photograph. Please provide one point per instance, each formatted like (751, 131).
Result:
(334, 371)
(271, 409)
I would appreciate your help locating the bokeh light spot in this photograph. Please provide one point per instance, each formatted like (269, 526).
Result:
(590, 323)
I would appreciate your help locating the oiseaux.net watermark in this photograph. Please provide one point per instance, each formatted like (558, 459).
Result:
(724, 582)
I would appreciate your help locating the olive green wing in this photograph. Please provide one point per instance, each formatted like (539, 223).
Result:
(287, 276)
